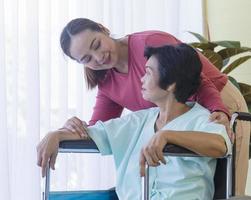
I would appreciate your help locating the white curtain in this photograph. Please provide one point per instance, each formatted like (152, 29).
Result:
(40, 88)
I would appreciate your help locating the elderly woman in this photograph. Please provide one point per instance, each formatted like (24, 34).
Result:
(172, 76)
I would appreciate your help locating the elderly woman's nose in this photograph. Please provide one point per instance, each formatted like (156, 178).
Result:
(142, 79)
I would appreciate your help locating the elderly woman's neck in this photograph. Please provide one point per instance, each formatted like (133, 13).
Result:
(170, 110)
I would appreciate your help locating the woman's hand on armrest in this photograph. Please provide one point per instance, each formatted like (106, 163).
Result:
(202, 143)
(222, 118)
(47, 149)
(152, 153)
(77, 126)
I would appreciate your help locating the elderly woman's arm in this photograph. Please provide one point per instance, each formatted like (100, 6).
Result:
(202, 143)
(47, 149)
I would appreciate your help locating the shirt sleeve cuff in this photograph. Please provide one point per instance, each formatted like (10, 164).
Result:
(99, 136)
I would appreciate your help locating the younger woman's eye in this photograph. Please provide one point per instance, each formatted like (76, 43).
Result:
(86, 59)
(97, 45)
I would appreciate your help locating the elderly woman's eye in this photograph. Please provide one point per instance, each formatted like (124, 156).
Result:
(147, 72)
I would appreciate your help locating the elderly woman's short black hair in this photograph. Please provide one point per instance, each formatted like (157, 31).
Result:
(179, 64)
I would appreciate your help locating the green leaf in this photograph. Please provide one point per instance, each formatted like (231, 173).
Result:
(249, 109)
(229, 52)
(203, 46)
(235, 64)
(233, 80)
(214, 58)
(226, 61)
(228, 44)
(246, 92)
(199, 37)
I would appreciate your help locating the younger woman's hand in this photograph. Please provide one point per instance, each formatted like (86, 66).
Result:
(75, 125)
(222, 118)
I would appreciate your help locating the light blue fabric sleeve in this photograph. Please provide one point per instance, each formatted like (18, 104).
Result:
(98, 134)
(219, 129)
(114, 136)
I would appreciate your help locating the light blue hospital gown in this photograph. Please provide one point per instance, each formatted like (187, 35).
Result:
(182, 178)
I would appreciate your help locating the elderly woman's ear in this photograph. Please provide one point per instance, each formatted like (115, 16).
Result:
(171, 88)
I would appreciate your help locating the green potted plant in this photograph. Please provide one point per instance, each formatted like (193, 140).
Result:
(223, 54)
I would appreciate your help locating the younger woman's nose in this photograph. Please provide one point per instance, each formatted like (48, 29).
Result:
(99, 58)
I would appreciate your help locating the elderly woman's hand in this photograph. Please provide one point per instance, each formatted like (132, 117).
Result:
(75, 125)
(47, 151)
(152, 153)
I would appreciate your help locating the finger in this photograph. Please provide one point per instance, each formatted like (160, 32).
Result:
(221, 120)
(69, 127)
(217, 121)
(84, 124)
(154, 157)
(52, 161)
(39, 160)
(161, 156)
(74, 119)
(44, 166)
(44, 170)
(80, 130)
(149, 159)
(85, 127)
(72, 128)
(79, 123)
(39, 157)
(214, 116)
(142, 164)
(77, 128)
(45, 160)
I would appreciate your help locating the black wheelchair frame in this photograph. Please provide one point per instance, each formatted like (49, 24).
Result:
(224, 178)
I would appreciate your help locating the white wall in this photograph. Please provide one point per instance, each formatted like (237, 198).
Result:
(230, 20)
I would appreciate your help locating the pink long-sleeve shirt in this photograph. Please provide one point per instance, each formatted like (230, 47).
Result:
(120, 90)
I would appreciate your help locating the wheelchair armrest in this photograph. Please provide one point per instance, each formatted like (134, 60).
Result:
(175, 150)
(89, 146)
(243, 116)
(78, 146)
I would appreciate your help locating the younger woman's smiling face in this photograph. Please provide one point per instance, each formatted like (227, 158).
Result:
(96, 50)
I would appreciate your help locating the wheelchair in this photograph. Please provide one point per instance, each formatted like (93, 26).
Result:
(224, 178)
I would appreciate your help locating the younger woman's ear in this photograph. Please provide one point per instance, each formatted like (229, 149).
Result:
(104, 29)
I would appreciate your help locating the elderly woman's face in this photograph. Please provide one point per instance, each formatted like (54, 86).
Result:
(150, 82)
(96, 50)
